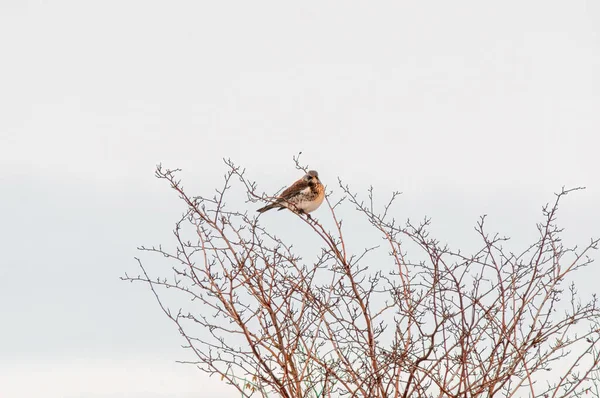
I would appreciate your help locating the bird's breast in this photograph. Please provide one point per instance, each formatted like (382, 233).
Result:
(313, 197)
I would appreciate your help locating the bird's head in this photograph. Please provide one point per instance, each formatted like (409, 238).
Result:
(312, 177)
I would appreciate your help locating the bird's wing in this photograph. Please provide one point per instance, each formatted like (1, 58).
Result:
(294, 189)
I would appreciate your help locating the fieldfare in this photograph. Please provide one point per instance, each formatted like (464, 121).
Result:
(303, 196)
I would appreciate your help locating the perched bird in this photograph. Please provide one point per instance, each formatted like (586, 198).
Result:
(303, 196)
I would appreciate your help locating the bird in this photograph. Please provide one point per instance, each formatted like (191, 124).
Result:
(303, 196)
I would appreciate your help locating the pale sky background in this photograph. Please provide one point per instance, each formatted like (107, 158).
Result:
(468, 107)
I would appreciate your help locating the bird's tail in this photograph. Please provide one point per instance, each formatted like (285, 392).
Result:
(269, 207)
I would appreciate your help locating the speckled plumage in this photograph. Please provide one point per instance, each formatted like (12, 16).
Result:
(303, 196)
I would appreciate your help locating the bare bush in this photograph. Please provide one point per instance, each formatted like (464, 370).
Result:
(442, 324)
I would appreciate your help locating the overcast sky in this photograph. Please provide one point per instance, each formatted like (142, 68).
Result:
(467, 107)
